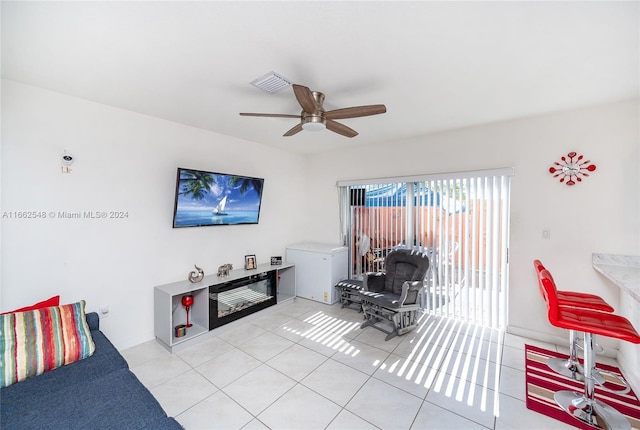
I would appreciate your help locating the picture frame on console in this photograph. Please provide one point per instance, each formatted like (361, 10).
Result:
(276, 261)
(250, 262)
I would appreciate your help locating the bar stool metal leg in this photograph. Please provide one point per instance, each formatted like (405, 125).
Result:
(585, 407)
(569, 367)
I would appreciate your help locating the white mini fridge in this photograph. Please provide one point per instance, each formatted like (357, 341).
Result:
(319, 267)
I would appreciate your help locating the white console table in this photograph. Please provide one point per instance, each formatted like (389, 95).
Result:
(169, 312)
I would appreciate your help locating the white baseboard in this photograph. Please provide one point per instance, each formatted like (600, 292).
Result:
(552, 339)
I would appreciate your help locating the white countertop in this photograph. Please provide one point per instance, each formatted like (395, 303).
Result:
(622, 270)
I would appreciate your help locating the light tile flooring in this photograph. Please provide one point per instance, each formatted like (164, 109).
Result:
(307, 365)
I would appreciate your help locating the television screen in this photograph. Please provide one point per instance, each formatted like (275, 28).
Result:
(208, 198)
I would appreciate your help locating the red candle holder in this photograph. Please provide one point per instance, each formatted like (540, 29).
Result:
(187, 302)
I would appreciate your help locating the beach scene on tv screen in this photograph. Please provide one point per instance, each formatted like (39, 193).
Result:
(205, 198)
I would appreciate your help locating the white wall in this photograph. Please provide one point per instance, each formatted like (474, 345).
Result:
(124, 162)
(601, 214)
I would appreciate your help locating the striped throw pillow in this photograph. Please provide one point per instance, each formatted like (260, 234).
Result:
(36, 341)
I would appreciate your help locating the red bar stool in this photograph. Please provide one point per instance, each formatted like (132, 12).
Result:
(585, 407)
(571, 367)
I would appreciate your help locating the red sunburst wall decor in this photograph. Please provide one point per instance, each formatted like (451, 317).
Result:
(571, 168)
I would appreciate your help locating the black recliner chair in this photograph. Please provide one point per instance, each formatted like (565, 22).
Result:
(393, 296)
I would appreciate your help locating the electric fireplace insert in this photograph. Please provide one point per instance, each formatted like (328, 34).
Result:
(236, 299)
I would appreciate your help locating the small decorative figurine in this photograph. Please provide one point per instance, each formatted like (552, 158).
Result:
(196, 276)
(225, 269)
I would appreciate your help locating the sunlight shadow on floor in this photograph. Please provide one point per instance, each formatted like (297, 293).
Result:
(449, 357)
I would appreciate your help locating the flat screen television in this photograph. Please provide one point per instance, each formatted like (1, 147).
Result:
(210, 198)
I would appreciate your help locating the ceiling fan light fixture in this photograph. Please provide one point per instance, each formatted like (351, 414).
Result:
(313, 123)
(314, 118)
(314, 126)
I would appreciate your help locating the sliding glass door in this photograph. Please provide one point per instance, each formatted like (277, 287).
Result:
(461, 220)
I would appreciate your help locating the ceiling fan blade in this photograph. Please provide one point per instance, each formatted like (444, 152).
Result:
(342, 129)
(356, 111)
(296, 129)
(305, 98)
(272, 115)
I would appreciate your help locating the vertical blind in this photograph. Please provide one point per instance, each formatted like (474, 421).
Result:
(461, 220)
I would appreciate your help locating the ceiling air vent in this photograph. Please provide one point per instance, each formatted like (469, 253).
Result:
(271, 82)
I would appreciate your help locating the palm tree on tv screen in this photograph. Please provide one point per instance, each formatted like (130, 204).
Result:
(246, 184)
(197, 184)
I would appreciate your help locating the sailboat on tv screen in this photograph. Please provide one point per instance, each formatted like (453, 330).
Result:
(219, 210)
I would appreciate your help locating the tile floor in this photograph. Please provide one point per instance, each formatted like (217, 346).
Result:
(306, 365)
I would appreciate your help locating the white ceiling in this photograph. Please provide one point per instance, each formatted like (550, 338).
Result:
(435, 65)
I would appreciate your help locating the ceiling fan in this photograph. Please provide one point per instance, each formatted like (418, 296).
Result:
(314, 117)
